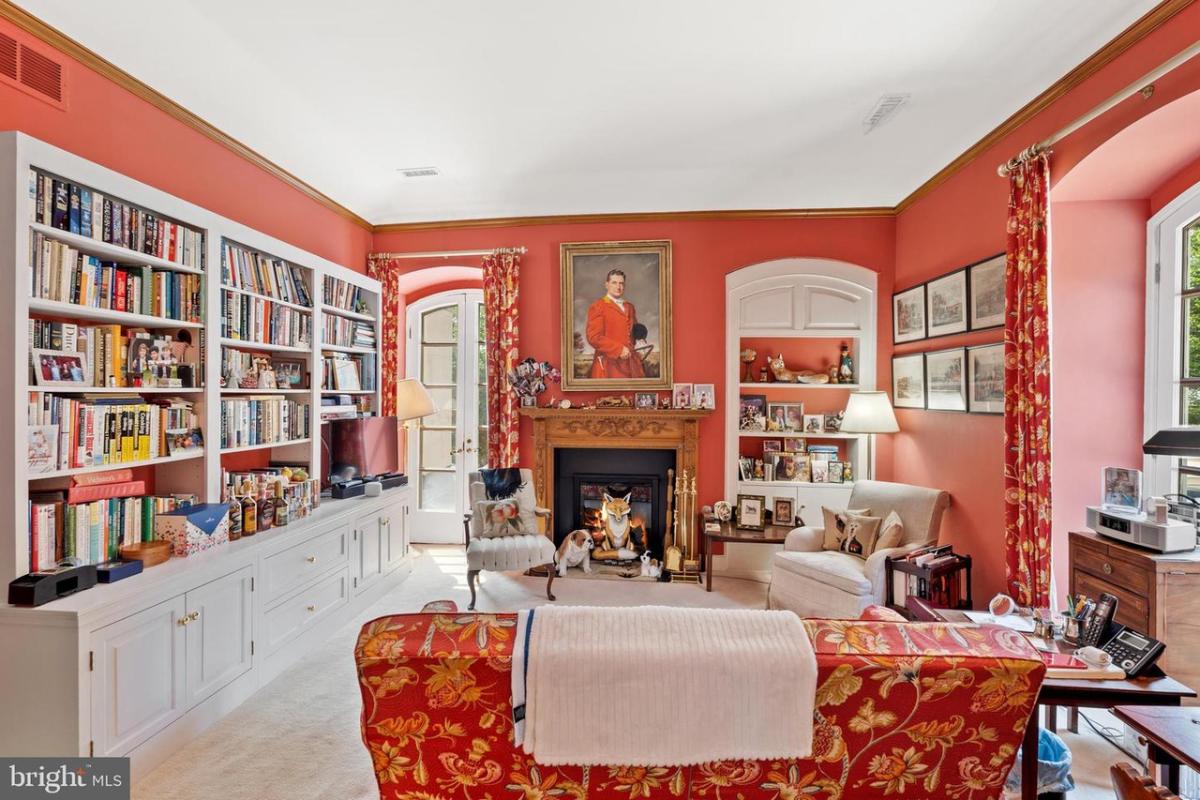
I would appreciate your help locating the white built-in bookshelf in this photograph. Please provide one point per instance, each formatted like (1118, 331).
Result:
(244, 307)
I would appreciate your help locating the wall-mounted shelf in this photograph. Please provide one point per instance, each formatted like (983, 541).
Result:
(266, 297)
(75, 311)
(110, 252)
(264, 446)
(152, 462)
(796, 435)
(341, 312)
(243, 344)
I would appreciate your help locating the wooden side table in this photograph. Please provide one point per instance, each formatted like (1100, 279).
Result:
(772, 534)
(958, 570)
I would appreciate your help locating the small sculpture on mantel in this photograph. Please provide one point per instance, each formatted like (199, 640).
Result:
(785, 375)
(614, 401)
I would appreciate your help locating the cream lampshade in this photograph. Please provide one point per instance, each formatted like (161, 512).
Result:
(869, 413)
(412, 400)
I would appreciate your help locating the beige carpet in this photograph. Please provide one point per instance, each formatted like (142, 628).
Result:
(297, 738)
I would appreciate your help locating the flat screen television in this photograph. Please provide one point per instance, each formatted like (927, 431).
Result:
(360, 448)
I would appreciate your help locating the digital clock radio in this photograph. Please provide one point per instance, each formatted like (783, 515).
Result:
(1165, 537)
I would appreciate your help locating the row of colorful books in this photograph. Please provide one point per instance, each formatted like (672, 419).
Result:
(342, 294)
(84, 211)
(348, 332)
(264, 419)
(255, 319)
(93, 431)
(60, 272)
(93, 531)
(256, 272)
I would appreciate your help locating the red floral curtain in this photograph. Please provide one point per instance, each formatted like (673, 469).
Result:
(387, 272)
(1027, 383)
(500, 288)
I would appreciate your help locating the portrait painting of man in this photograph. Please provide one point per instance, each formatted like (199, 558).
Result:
(616, 307)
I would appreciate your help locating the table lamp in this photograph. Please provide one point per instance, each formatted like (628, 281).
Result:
(869, 413)
(412, 400)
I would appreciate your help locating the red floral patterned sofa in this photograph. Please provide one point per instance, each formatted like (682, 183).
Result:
(918, 710)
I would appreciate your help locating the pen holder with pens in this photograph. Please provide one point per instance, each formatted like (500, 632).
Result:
(1072, 628)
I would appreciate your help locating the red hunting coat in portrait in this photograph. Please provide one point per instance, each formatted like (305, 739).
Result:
(609, 329)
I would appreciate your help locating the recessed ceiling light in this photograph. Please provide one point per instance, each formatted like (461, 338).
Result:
(884, 110)
(419, 172)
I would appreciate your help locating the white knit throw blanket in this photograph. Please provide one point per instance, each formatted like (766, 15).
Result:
(656, 686)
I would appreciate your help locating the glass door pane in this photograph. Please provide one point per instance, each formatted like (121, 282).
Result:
(438, 438)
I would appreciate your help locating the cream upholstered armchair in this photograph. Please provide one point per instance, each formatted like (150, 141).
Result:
(822, 583)
(514, 552)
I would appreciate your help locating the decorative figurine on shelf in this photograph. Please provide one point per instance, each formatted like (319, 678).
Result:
(266, 373)
(763, 375)
(748, 357)
(575, 551)
(833, 373)
(722, 511)
(846, 367)
(785, 375)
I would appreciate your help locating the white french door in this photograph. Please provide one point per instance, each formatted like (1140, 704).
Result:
(446, 351)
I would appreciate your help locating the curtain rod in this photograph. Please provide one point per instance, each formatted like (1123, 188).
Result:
(1140, 85)
(451, 253)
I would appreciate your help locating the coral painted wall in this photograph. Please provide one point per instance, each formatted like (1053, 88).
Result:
(111, 126)
(703, 253)
(963, 220)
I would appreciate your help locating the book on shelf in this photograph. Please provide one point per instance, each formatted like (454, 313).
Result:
(263, 419)
(243, 268)
(256, 319)
(118, 357)
(94, 431)
(343, 294)
(89, 213)
(91, 531)
(61, 273)
(344, 332)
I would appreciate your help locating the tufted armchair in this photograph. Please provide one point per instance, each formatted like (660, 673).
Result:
(821, 583)
(514, 553)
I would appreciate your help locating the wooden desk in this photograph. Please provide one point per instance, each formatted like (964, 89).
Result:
(1150, 690)
(1172, 736)
(772, 534)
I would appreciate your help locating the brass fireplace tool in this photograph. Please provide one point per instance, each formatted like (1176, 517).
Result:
(680, 558)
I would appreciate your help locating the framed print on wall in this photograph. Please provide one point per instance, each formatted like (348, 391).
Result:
(946, 300)
(985, 379)
(946, 380)
(987, 293)
(616, 315)
(908, 381)
(908, 315)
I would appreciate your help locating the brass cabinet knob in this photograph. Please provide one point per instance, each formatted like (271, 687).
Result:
(313, 607)
(187, 619)
(1107, 568)
(311, 559)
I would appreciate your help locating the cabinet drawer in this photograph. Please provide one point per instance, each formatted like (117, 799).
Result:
(293, 616)
(288, 570)
(1113, 569)
(1133, 610)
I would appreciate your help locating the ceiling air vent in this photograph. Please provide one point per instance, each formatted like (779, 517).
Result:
(884, 110)
(419, 172)
(31, 71)
(8, 57)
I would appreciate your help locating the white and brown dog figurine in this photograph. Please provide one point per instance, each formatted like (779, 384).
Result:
(650, 566)
(575, 551)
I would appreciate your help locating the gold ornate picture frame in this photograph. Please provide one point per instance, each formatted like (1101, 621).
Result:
(616, 315)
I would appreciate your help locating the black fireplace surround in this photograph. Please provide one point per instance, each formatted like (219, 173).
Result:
(576, 466)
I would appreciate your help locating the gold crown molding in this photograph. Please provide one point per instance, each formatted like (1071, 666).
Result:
(65, 44)
(1139, 30)
(639, 216)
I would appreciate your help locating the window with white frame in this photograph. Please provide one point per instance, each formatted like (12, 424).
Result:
(1173, 338)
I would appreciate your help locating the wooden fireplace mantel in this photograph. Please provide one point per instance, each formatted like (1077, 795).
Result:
(658, 429)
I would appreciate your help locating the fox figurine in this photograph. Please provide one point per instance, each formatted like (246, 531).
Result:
(614, 514)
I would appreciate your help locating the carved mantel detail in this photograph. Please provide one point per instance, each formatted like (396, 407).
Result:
(617, 428)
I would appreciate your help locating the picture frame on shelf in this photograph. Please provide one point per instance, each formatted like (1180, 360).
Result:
(985, 379)
(837, 472)
(641, 400)
(783, 511)
(189, 441)
(345, 375)
(776, 417)
(681, 395)
(794, 413)
(986, 284)
(61, 368)
(946, 380)
(290, 373)
(772, 446)
(820, 471)
(752, 413)
(794, 444)
(704, 396)
(946, 300)
(745, 468)
(588, 270)
(908, 381)
(814, 423)
(751, 511)
(908, 315)
(42, 453)
(833, 422)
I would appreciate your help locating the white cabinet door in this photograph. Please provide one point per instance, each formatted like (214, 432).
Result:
(372, 551)
(395, 533)
(138, 680)
(218, 633)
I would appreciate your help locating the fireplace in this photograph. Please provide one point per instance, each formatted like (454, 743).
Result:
(583, 475)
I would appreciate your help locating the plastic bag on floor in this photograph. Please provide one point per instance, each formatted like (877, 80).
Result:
(1054, 768)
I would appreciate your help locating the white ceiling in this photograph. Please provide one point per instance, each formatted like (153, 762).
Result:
(533, 107)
